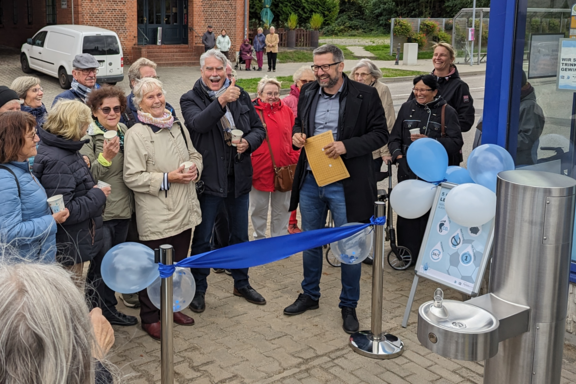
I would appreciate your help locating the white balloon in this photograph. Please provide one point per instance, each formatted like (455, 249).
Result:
(183, 290)
(411, 199)
(471, 205)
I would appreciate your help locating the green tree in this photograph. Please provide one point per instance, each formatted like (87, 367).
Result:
(327, 8)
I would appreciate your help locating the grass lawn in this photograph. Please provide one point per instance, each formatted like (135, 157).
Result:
(382, 52)
(295, 56)
(250, 85)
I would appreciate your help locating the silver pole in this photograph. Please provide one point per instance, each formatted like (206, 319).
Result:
(480, 37)
(473, 26)
(166, 294)
(375, 343)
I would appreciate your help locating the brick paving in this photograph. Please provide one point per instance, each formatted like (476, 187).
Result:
(234, 341)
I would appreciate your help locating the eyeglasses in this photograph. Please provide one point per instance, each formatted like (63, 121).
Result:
(107, 110)
(324, 67)
(86, 72)
(36, 90)
(272, 94)
(33, 135)
(421, 90)
(359, 74)
(306, 81)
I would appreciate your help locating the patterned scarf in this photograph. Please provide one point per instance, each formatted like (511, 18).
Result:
(118, 130)
(227, 121)
(166, 121)
(39, 113)
(81, 90)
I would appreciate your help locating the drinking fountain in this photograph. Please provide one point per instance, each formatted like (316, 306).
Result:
(518, 327)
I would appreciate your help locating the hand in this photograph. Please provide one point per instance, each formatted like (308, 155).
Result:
(61, 216)
(334, 149)
(387, 159)
(103, 334)
(86, 160)
(231, 95)
(111, 148)
(399, 157)
(106, 190)
(416, 137)
(242, 146)
(177, 176)
(194, 171)
(298, 140)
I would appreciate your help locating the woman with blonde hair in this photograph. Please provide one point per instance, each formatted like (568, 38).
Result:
(62, 171)
(31, 93)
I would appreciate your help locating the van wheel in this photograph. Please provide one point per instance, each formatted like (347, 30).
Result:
(63, 78)
(24, 64)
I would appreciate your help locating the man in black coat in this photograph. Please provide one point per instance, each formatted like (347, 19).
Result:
(212, 110)
(354, 113)
(208, 39)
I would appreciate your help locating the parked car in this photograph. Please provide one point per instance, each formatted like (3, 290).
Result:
(53, 48)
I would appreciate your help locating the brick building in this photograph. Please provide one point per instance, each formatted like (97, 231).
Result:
(135, 21)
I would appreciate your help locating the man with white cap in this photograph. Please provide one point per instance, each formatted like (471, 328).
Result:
(84, 73)
(9, 100)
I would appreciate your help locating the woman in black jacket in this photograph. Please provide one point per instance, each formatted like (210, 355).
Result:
(62, 171)
(423, 112)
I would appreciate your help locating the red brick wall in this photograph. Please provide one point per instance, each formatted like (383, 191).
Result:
(15, 34)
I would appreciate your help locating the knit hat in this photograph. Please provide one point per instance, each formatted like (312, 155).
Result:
(6, 95)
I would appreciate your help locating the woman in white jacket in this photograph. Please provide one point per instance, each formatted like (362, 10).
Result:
(223, 43)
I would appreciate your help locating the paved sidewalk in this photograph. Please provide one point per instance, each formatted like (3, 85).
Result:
(361, 52)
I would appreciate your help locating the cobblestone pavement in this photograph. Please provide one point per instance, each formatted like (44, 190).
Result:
(234, 341)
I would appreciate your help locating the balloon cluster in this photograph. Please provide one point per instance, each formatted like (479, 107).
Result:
(129, 268)
(472, 202)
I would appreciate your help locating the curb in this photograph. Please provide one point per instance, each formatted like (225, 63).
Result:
(405, 78)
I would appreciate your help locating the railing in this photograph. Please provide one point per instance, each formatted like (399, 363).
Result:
(143, 34)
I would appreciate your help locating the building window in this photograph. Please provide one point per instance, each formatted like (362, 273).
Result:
(15, 13)
(29, 3)
(1, 13)
(50, 12)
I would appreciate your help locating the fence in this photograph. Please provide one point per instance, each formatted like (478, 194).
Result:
(415, 22)
(302, 37)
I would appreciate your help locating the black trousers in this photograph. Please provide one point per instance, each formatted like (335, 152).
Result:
(272, 60)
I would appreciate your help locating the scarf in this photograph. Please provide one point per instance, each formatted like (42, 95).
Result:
(227, 120)
(39, 113)
(526, 90)
(120, 133)
(81, 90)
(166, 121)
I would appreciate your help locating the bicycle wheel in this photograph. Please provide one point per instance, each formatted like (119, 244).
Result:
(331, 259)
(400, 259)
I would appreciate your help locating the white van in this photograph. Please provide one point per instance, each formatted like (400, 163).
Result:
(53, 48)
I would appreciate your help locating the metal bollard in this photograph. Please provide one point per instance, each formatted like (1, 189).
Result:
(375, 343)
(397, 55)
(166, 316)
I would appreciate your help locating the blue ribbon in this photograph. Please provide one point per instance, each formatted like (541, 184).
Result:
(260, 252)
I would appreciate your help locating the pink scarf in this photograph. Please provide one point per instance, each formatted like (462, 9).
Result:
(166, 121)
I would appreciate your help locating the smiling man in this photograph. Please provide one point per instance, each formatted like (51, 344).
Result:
(212, 110)
(353, 113)
(84, 79)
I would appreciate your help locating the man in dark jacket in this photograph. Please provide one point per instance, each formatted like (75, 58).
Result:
(84, 79)
(212, 109)
(208, 39)
(354, 113)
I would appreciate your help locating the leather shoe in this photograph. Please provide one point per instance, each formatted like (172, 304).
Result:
(293, 228)
(182, 319)
(349, 320)
(368, 261)
(118, 318)
(250, 295)
(301, 305)
(154, 330)
(198, 305)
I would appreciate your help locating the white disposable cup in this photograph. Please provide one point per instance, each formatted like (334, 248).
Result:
(415, 131)
(102, 184)
(236, 136)
(109, 135)
(56, 203)
(187, 165)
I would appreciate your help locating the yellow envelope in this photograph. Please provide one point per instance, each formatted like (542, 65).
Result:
(325, 170)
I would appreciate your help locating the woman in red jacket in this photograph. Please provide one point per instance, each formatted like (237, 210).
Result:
(278, 120)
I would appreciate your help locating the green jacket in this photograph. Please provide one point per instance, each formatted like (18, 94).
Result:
(120, 203)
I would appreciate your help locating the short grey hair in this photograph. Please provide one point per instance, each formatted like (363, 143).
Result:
(134, 70)
(144, 86)
(268, 80)
(372, 68)
(22, 84)
(329, 48)
(300, 71)
(213, 53)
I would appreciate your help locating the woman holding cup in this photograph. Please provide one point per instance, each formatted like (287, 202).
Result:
(62, 171)
(27, 224)
(105, 151)
(161, 166)
(426, 115)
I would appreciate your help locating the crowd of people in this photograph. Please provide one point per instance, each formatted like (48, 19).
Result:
(129, 169)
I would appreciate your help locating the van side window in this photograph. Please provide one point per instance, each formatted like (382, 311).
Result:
(101, 45)
(39, 39)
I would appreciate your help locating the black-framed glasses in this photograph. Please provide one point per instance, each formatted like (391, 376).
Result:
(421, 90)
(325, 67)
(86, 72)
(107, 110)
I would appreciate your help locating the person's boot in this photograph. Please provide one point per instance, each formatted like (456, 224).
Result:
(301, 305)
(198, 305)
(349, 320)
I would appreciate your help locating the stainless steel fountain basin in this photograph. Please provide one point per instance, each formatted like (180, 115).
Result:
(460, 331)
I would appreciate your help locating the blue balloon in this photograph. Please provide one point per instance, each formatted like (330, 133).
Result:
(428, 159)
(129, 268)
(486, 162)
(458, 175)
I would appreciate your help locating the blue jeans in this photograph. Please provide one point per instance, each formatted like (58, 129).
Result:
(315, 202)
(237, 209)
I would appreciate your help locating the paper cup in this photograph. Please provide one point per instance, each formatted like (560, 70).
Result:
(56, 203)
(102, 184)
(236, 136)
(415, 131)
(109, 135)
(187, 165)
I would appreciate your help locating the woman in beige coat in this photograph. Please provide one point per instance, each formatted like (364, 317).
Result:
(161, 166)
(272, 41)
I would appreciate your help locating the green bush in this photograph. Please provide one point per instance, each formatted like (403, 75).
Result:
(429, 27)
(402, 28)
(316, 21)
(328, 9)
(535, 25)
(292, 21)
(419, 38)
(445, 37)
(554, 25)
(448, 25)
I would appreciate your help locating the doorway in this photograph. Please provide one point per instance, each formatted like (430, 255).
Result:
(170, 15)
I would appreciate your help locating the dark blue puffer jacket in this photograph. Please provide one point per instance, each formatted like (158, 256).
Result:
(62, 171)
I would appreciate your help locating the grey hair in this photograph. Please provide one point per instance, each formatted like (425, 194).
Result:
(372, 68)
(300, 71)
(144, 86)
(22, 84)
(336, 52)
(213, 53)
(268, 80)
(134, 70)
(47, 335)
